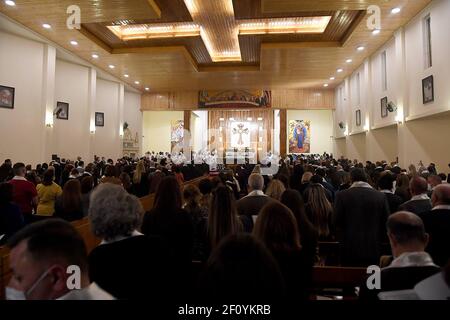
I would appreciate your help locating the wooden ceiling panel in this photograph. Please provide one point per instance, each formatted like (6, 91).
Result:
(284, 62)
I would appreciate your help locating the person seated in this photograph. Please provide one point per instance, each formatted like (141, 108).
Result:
(386, 185)
(47, 258)
(241, 269)
(319, 211)
(110, 176)
(251, 204)
(11, 220)
(437, 224)
(126, 263)
(420, 202)
(411, 263)
(277, 228)
(205, 187)
(275, 189)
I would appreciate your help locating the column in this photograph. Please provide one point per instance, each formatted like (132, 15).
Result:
(90, 118)
(48, 101)
(283, 132)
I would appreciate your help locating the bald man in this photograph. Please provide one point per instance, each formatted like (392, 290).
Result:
(437, 224)
(411, 263)
(420, 201)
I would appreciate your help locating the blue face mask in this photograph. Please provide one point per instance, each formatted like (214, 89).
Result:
(14, 294)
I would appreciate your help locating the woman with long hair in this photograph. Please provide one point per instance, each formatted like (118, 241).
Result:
(223, 218)
(319, 211)
(402, 187)
(308, 233)
(140, 180)
(48, 191)
(275, 189)
(277, 228)
(69, 205)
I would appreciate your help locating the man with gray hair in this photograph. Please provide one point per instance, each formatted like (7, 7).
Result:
(251, 204)
(420, 202)
(411, 263)
(437, 224)
(127, 263)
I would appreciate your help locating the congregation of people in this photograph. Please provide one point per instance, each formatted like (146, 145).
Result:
(250, 235)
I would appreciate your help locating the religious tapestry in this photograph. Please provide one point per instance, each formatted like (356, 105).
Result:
(176, 132)
(299, 135)
(232, 99)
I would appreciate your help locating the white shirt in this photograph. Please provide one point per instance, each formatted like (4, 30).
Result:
(422, 196)
(441, 207)
(361, 184)
(19, 178)
(93, 292)
(412, 259)
(386, 191)
(135, 233)
(256, 193)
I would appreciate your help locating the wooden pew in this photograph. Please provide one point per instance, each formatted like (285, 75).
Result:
(338, 281)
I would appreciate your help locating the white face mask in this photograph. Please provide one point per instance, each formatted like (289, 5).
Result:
(14, 294)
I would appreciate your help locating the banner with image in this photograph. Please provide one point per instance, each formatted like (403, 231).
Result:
(299, 136)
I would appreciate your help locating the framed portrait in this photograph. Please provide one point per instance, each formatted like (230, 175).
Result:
(384, 105)
(7, 97)
(358, 118)
(428, 89)
(99, 119)
(62, 110)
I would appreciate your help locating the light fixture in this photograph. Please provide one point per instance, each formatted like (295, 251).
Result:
(137, 82)
(340, 70)
(332, 78)
(231, 119)
(376, 31)
(396, 10)
(147, 89)
(111, 66)
(325, 85)
(95, 56)
(249, 119)
(349, 60)
(360, 48)
(126, 75)
(10, 3)
(46, 26)
(260, 119)
(366, 127)
(74, 43)
(221, 119)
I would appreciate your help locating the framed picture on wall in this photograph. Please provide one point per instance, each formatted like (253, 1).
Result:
(7, 97)
(384, 105)
(428, 89)
(99, 119)
(62, 110)
(358, 118)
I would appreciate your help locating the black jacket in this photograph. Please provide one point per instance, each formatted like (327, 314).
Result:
(360, 219)
(394, 202)
(437, 225)
(416, 206)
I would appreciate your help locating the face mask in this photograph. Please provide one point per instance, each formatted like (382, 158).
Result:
(14, 294)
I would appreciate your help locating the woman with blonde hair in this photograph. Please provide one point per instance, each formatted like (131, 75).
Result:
(140, 180)
(319, 211)
(275, 189)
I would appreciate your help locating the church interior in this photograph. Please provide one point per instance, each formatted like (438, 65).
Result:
(222, 89)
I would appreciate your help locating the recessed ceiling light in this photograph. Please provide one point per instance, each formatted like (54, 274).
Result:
(396, 10)
(74, 43)
(340, 70)
(136, 82)
(111, 66)
(360, 48)
(46, 26)
(10, 3)
(332, 78)
(349, 60)
(126, 75)
(146, 89)
(325, 85)
(95, 56)
(376, 31)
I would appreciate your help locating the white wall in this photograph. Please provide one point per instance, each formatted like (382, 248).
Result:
(416, 131)
(321, 128)
(156, 129)
(71, 86)
(40, 81)
(133, 115)
(22, 128)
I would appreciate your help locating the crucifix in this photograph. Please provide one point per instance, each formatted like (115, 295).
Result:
(240, 131)
(214, 21)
